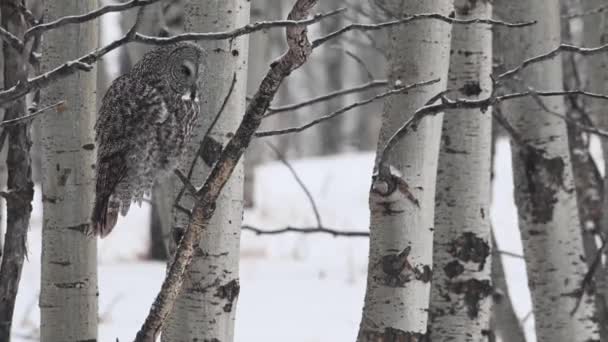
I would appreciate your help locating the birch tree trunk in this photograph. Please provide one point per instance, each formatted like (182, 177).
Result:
(205, 309)
(544, 189)
(68, 297)
(461, 286)
(595, 33)
(20, 188)
(399, 269)
(504, 322)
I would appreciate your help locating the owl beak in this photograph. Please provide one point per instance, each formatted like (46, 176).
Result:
(193, 93)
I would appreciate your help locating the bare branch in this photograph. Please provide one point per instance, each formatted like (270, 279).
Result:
(483, 105)
(311, 199)
(78, 19)
(71, 67)
(317, 230)
(241, 31)
(345, 109)
(370, 85)
(551, 54)
(11, 40)
(59, 106)
(423, 16)
(597, 10)
(206, 140)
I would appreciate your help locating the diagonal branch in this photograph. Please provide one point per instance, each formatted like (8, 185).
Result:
(297, 54)
(293, 172)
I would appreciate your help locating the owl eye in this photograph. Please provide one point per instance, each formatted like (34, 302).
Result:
(185, 70)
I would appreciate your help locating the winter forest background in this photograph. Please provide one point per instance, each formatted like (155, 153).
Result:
(426, 171)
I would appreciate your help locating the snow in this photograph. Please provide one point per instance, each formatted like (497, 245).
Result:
(309, 284)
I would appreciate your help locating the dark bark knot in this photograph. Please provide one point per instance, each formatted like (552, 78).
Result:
(543, 179)
(210, 151)
(474, 292)
(468, 6)
(397, 270)
(393, 335)
(471, 89)
(468, 247)
(453, 269)
(230, 292)
(385, 183)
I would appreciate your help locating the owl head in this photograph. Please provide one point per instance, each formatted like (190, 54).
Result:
(179, 65)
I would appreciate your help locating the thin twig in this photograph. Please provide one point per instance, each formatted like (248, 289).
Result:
(12, 40)
(79, 19)
(205, 139)
(293, 172)
(291, 107)
(345, 109)
(423, 16)
(597, 10)
(588, 279)
(551, 54)
(84, 62)
(241, 31)
(317, 230)
(59, 106)
(482, 104)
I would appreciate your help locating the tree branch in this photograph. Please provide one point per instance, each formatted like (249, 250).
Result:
(316, 230)
(71, 67)
(79, 19)
(483, 105)
(291, 107)
(423, 16)
(293, 172)
(399, 90)
(297, 54)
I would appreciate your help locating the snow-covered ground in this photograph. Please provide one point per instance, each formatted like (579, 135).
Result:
(287, 281)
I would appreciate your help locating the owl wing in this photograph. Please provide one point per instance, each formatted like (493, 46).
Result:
(122, 129)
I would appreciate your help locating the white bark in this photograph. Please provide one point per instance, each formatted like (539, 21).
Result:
(399, 270)
(205, 309)
(68, 298)
(544, 189)
(461, 286)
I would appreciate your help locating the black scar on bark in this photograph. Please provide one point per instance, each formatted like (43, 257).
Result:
(453, 269)
(471, 89)
(211, 151)
(394, 335)
(474, 292)
(468, 247)
(543, 179)
(230, 291)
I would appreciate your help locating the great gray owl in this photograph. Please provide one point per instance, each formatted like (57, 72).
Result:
(144, 125)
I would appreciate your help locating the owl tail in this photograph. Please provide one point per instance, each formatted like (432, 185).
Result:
(105, 215)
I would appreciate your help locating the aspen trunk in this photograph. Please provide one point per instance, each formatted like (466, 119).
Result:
(544, 188)
(399, 269)
(68, 298)
(504, 322)
(20, 188)
(595, 33)
(206, 307)
(461, 287)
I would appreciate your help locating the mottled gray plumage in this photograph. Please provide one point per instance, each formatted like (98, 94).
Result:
(144, 125)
